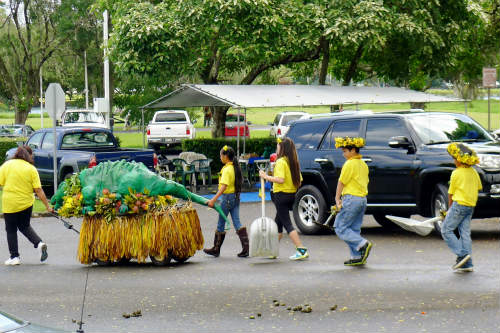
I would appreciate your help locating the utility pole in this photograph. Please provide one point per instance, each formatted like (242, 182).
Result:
(106, 69)
(86, 81)
(41, 98)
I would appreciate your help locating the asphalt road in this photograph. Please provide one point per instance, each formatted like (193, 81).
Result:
(407, 286)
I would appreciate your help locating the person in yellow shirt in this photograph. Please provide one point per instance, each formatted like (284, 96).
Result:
(19, 179)
(230, 182)
(350, 198)
(462, 197)
(286, 180)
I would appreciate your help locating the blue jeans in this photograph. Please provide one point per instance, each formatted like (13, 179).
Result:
(348, 223)
(229, 204)
(458, 217)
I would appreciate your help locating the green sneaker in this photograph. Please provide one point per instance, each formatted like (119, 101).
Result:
(300, 254)
(354, 262)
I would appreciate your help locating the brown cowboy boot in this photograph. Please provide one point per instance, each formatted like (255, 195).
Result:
(242, 233)
(218, 240)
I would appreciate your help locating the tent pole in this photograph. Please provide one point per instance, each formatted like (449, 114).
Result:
(238, 134)
(142, 127)
(245, 131)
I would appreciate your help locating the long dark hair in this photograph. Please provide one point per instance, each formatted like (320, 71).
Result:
(238, 178)
(24, 153)
(287, 149)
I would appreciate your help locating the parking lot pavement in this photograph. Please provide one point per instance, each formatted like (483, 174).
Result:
(407, 285)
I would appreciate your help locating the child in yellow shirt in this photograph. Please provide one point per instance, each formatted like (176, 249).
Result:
(350, 198)
(230, 182)
(462, 197)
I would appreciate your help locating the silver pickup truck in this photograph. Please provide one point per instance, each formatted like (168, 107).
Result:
(169, 127)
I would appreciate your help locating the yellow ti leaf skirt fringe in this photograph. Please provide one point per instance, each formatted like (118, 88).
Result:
(173, 232)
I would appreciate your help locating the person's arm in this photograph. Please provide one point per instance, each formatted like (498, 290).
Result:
(271, 179)
(41, 195)
(221, 190)
(338, 194)
(450, 200)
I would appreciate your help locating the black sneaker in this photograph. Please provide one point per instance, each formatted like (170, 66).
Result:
(365, 251)
(354, 262)
(461, 261)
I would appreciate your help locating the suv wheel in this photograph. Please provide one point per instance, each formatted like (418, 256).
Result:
(309, 208)
(439, 199)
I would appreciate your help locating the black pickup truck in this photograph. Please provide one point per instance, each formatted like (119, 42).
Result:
(406, 154)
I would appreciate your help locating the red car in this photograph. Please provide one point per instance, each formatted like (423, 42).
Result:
(232, 125)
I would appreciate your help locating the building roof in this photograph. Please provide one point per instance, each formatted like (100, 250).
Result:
(257, 96)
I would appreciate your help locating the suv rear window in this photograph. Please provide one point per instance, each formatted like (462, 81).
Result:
(307, 135)
(170, 117)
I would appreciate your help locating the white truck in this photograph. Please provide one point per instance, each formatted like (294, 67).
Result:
(169, 127)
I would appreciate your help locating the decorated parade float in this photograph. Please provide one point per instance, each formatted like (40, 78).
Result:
(130, 212)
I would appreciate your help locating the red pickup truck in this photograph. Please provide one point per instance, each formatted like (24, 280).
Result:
(232, 125)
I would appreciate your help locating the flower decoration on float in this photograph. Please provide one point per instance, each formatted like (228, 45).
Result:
(462, 154)
(349, 142)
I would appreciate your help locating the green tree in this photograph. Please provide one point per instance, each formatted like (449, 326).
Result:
(27, 41)
(209, 41)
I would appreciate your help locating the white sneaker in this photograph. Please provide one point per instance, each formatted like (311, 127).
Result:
(42, 248)
(13, 261)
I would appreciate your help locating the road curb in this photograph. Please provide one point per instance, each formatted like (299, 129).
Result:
(34, 215)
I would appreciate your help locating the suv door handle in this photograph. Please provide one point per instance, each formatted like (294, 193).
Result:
(321, 160)
(367, 159)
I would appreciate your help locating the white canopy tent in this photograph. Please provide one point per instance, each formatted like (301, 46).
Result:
(259, 96)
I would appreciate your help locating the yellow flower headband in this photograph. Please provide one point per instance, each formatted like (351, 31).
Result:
(349, 142)
(225, 148)
(462, 153)
(278, 140)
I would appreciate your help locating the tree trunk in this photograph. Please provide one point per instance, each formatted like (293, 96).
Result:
(219, 116)
(325, 52)
(21, 115)
(353, 66)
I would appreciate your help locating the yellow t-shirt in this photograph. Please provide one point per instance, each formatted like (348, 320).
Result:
(227, 177)
(464, 185)
(354, 176)
(18, 179)
(282, 170)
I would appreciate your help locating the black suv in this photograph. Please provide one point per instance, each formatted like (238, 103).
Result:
(409, 165)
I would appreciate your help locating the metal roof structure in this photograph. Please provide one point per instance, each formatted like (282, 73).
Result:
(257, 96)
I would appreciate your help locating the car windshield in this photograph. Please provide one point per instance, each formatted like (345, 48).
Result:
(83, 117)
(86, 139)
(170, 117)
(290, 117)
(444, 128)
(234, 118)
(11, 130)
(9, 323)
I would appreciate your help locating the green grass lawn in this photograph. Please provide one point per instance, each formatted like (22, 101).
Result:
(38, 206)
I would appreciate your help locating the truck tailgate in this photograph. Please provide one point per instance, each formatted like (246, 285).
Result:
(168, 130)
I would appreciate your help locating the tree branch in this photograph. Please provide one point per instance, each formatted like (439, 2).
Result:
(283, 60)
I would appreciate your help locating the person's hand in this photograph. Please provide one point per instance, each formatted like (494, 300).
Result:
(211, 203)
(50, 209)
(338, 202)
(262, 174)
